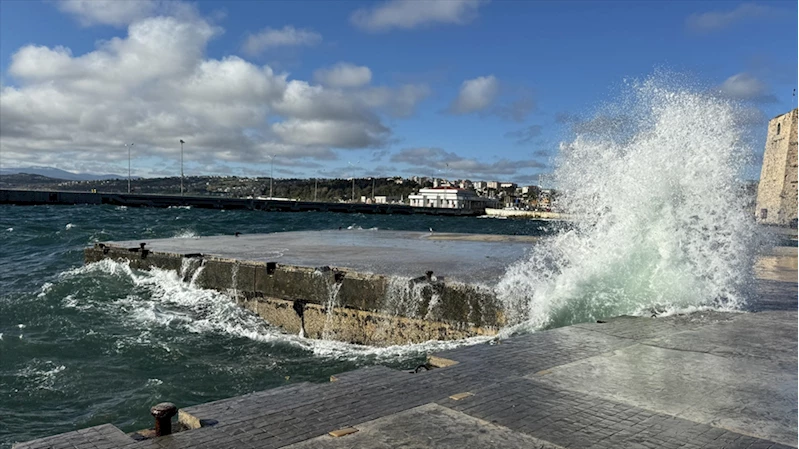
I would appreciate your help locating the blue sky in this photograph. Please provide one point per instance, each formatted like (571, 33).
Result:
(455, 88)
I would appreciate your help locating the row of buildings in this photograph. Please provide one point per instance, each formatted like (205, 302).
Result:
(479, 195)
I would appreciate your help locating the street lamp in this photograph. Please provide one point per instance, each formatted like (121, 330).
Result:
(316, 184)
(352, 173)
(181, 166)
(271, 173)
(128, 165)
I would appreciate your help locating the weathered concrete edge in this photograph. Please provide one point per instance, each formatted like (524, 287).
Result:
(365, 308)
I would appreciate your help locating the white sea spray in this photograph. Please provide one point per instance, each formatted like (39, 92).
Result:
(661, 223)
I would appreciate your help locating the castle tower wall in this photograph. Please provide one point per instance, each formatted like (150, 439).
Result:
(777, 190)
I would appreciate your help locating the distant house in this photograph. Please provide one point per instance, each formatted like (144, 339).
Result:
(382, 199)
(450, 198)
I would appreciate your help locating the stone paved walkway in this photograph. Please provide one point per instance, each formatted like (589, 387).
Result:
(706, 380)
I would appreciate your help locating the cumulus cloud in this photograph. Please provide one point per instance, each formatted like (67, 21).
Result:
(525, 135)
(745, 86)
(396, 102)
(407, 14)
(718, 20)
(107, 12)
(344, 74)
(156, 85)
(475, 95)
(423, 159)
(288, 36)
(481, 95)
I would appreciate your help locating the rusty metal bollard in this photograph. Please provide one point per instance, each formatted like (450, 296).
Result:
(163, 414)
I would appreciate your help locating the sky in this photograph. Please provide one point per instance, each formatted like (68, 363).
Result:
(477, 89)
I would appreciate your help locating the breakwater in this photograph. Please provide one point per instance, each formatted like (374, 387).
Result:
(379, 289)
(36, 197)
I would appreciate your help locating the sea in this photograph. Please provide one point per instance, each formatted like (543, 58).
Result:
(653, 183)
(83, 345)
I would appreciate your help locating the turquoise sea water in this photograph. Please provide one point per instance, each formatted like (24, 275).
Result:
(82, 346)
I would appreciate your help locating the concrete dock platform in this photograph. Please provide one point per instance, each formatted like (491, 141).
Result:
(705, 380)
(474, 258)
(360, 286)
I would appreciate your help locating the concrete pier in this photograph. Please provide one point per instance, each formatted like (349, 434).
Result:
(367, 287)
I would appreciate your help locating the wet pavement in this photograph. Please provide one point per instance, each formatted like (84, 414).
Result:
(464, 257)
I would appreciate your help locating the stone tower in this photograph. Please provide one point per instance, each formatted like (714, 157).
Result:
(777, 191)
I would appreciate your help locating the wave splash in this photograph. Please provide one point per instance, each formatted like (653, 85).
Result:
(171, 299)
(661, 223)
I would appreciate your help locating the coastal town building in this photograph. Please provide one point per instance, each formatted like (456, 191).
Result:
(382, 199)
(449, 197)
(777, 190)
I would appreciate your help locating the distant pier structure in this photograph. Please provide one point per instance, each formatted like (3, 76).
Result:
(777, 191)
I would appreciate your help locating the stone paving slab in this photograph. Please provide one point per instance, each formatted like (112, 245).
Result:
(104, 436)
(579, 420)
(725, 392)
(428, 426)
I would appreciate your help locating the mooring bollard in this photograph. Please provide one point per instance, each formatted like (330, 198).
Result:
(163, 414)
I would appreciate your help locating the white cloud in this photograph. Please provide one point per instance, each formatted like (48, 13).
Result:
(719, 20)
(423, 159)
(120, 13)
(107, 12)
(407, 14)
(288, 36)
(339, 134)
(344, 74)
(156, 85)
(475, 95)
(396, 102)
(745, 86)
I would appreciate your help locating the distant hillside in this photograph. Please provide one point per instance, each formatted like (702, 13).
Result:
(56, 173)
(24, 179)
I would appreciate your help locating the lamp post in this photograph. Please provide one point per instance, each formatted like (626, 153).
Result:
(316, 184)
(271, 173)
(352, 173)
(373, 190)
(128, 165)
(181, 166)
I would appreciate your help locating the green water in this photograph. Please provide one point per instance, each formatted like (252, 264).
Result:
(82, 346)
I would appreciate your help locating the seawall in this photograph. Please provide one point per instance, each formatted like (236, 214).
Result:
(35, 197)
(323, 286)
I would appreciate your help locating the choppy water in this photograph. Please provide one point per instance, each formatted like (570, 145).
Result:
(87, 345)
